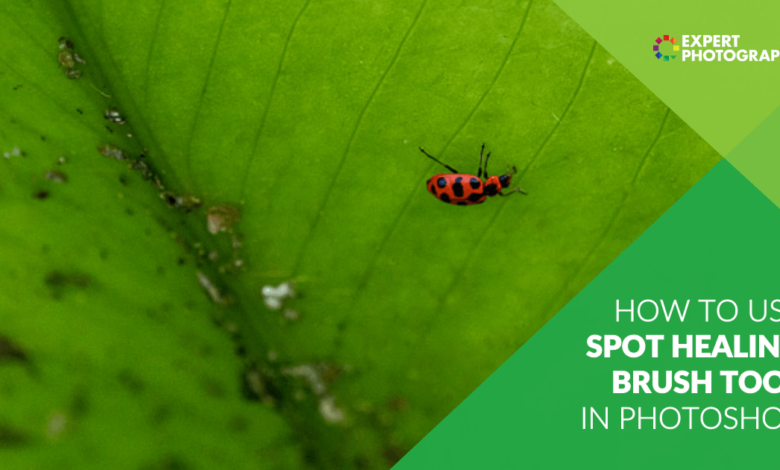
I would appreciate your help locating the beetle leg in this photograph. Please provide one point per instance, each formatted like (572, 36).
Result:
(516, 190)
(479, 170)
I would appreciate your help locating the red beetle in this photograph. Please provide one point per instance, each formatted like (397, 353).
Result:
(467, 190)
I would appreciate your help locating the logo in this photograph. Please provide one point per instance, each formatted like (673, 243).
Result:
(657, 48)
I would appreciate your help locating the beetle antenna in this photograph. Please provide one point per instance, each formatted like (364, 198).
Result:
(437, 161)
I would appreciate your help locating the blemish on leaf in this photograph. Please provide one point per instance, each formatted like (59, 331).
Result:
(113, 115)
(56, 176)
(273, 296)
(318, 377)
(111, 151)
(68, 58)
(130, 381)
(213, 388)
(58, 282)
(210, 288)
(186, 203)
(11, 436)
(41, 194)
(291, 315)
(56, 425)
(254, 386)
(9, 351)
(221, 218)
(393, 454)
(238, 424)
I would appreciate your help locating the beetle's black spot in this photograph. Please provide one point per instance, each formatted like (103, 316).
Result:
(444, 197)
(474, 197)
(457, 187)
(428, 183)
(461, 203)
(441, 182)
(491, 190)
(475, 183)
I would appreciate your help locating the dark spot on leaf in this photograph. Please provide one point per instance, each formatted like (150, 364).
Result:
(213, 388)
(129, 211)
(169, 462)
(393, 454)
(9, 351)
(444, 197)
(11, 437)
(441, 182)
(130, 381)
(79, 404)
(41, 195)
(399, 404)
(238, 424)
(104, 254)
(241, 351)
(43, 138)
(123, 180)
(59, 282)
(161, 414)
(109, 129)
(181, 261)
(79, 111)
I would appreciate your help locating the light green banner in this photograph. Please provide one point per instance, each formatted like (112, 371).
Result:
(724, 94)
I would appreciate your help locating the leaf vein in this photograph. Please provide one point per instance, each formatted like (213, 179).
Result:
(151, 49)
(259, 133)
(352, 138)
(188, 155)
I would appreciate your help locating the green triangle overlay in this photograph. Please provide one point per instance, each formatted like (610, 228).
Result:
(722, 101)
(719, 241)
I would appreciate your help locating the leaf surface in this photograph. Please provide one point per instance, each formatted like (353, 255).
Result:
(306, 116)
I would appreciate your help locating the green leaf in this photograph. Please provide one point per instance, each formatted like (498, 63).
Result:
(121, 341)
